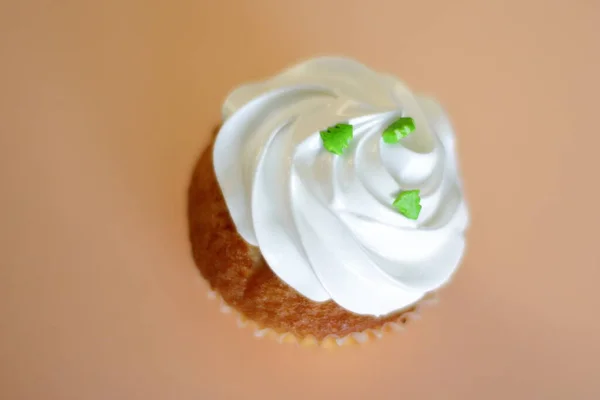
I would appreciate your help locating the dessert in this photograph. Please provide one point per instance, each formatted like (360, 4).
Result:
(329, 204)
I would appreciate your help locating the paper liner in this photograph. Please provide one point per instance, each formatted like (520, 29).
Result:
(330, 341)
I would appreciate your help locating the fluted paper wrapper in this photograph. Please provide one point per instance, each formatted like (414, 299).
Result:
(330, 341)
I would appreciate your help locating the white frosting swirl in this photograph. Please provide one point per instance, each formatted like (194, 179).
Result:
(324, 223)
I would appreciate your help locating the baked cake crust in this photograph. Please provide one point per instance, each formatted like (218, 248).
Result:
(240, 275)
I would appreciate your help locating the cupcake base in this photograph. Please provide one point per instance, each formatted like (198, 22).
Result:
(330, 341)
(237, 272)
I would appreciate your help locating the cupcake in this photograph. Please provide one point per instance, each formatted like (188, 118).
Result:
(329, 205)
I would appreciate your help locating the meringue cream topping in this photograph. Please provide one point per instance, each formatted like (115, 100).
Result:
(325, 223)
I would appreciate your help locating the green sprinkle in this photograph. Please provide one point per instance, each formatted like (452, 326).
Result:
(399, 129)
(336, 138)
(408, 204)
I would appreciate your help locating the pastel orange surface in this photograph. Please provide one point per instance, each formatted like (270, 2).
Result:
(106, 105)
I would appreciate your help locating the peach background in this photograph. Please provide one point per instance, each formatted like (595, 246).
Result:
(105, 105)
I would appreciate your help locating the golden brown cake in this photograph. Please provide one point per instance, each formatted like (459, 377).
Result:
(239, 274)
